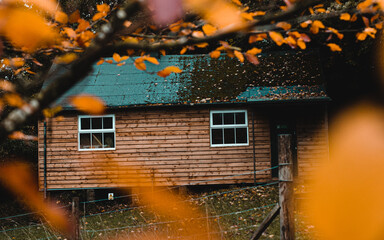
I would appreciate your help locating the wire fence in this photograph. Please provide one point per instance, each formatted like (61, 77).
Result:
(151, 221)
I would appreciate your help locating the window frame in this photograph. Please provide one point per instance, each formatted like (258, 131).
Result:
(231, 126)
(110, 130)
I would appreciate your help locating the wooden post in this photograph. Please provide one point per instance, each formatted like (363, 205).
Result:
(76, 218)
(266, 222)
(286, 201)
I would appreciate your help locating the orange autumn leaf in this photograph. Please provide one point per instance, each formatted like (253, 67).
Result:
(334, 47)
(208, 29)
(168, 70)
(70, 32)
(88, 103)
(214, 54)
(361, 36)
(277, 38)
(301, 44)
(103, 8)
(252, 58)
(116, 57)
(21, 136)
(345, 17)
(14, 99)
(237, 2)
(183, 50)
(98, 16)
(27, 29)
(202, 45)
(257, 37)
(139, 64)
(101, 61)
(305, 24)
(65, 59)
(284, 25)
(239, 55)
(7, 86)
(18, 178)
(254, 51)
(197, 34)
(61, 17)
(316, 25)
(74, 17)
(151, 60)
(220, 13)
(83, 25)
(247, 16)
(17, 62)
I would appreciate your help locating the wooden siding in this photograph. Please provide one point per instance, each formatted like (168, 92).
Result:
(312, 140)
(171, 146)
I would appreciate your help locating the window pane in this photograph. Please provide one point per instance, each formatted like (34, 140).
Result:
(217, 119)
(85, 123)
(85, 140)
(241, 135)
(109, 140)
(96, 123)
(240, 118)
(107, 123)
(217, 136)
(229, 135)
(229, 118)
(97, 141)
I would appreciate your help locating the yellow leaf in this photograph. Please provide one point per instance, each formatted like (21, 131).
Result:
(27, 29)
(345, 17)
(61, 17)
(131, 40)
(370, 31)
(214, 54)
(74, 17)
(139, 64)
(168, 70)
(254, 51)
(67, 58)
(151, 60)
(284, 25)
(277, 38)
(239, 55)
(334, 47)
(88, 103)
(209, 29)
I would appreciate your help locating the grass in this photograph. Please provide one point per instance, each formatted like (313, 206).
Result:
(232, 213)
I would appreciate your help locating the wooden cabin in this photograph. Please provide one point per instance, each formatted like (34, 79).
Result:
(215, 123)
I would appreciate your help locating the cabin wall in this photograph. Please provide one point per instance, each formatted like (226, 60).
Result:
(171, 146)
(312, 140)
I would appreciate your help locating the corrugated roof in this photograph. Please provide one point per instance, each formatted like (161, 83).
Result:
(279, 76)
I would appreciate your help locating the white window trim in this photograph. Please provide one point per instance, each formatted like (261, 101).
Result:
(228, 126)
(113, 129)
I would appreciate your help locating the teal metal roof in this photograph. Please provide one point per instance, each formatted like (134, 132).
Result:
(280, 76)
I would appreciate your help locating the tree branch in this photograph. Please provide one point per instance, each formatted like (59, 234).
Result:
(67, 76)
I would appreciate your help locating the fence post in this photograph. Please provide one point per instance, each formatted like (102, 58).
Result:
(286, 201)
(76, 218)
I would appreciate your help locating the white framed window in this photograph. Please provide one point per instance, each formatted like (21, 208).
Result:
(97, 133)
(229, 128)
